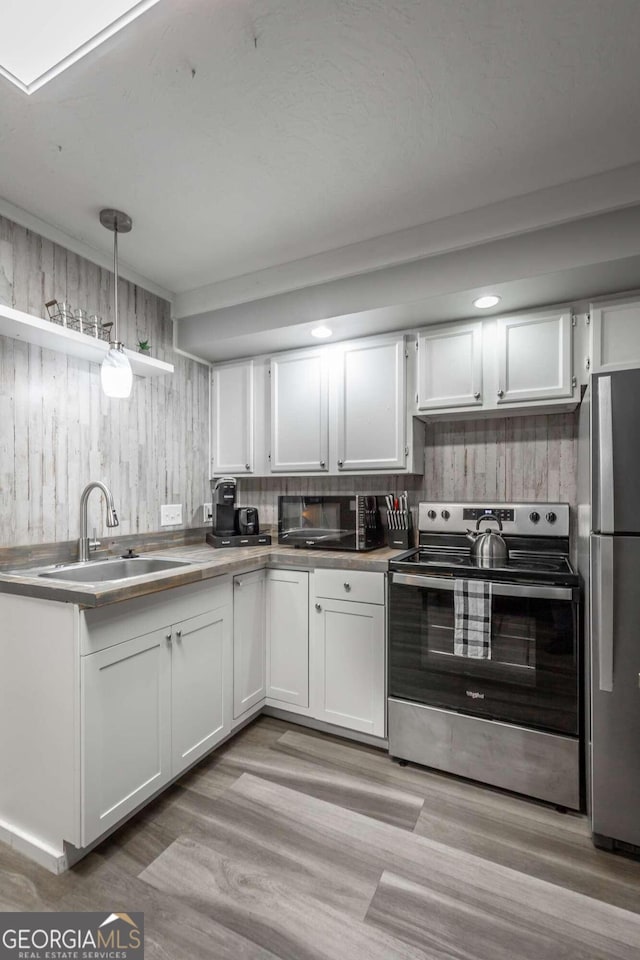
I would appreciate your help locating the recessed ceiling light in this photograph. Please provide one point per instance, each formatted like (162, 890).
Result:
(66, 31)
(483, 303)
(321, 332)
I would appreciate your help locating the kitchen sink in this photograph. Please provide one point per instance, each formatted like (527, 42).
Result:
(92, 571)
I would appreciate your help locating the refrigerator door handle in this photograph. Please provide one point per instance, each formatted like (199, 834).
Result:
(603, 602)
(605, 456)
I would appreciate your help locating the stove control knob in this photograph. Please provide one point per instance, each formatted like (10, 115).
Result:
(445, 514)
(551, 517)
(431, 514)
(534, 516)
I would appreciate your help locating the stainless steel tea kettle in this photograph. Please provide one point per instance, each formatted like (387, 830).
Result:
(488, 548)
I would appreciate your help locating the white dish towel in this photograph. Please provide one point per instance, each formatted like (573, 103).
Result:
(472, 619)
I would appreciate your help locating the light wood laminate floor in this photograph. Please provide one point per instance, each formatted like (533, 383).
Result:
(288, 844)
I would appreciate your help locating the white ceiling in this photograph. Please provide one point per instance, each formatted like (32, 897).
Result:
(242, 135)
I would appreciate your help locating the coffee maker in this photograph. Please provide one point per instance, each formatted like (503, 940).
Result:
(232, 526)
(223, 507)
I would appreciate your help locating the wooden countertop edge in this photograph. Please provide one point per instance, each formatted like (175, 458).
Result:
(231, 562)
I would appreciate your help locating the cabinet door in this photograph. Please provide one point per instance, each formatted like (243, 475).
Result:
(450, 366)
(249, 644)
(288, 637)
(233, 418)
(371, 405)
(534, 357)
(299, 412)
(202, 664)
(126, 737)
(349, 651)
(616, 335)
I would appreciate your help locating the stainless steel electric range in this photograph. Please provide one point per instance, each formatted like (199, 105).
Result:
(484, 661)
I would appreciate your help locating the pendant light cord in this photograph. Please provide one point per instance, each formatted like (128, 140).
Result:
(115, 273)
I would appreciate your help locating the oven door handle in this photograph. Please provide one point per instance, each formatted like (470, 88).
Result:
(533, 591)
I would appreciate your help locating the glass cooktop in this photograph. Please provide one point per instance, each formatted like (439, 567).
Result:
(545, 567)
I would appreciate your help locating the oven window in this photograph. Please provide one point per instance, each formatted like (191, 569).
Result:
(530, 677)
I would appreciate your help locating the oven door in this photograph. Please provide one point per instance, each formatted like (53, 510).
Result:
(531, 674)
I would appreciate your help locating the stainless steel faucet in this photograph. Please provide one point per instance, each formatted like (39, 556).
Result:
(84, 545)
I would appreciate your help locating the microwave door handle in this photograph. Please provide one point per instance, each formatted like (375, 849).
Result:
(530, 591)
(602, 560)
(605, 456)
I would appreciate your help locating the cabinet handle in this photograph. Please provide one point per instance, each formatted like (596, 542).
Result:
(322, 463)
(247, 466)
(501, 394)
(318, 607)
(179, 634)
(238, 583)
(340, 463)
(347, 585)
(168, 638)
(476, 396)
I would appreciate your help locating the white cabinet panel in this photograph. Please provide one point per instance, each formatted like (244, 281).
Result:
(534, 357)
(249, 645)
(201, 663)
(126, 737)
(371, 405)
(299, 412)
(349, 654)
(616, 335)
(361, 586)
(288, 637)
(450, 366)
(233, 418)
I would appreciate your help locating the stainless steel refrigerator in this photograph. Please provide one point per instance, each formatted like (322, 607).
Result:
(615, 608)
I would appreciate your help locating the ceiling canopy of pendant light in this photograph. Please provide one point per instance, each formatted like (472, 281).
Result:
(116, 375)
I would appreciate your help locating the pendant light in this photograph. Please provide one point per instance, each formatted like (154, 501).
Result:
(116, 375)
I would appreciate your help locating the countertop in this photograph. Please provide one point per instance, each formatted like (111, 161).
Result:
(207, 563)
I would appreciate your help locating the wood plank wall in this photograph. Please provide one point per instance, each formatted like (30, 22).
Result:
(510, 458)
(58, 430)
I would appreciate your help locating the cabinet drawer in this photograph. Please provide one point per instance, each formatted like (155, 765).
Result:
(358, 585)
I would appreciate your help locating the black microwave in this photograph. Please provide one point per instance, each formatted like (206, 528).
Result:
(341, 522)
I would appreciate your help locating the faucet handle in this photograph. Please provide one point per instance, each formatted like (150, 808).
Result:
(94, 543)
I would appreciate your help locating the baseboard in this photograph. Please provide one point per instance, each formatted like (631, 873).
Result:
(323, 727)
(51, 858)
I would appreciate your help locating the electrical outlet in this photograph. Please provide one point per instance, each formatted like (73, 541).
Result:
(207, 512)
(170, 514)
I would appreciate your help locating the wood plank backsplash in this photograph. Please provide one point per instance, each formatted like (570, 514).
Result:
(510, 458)
(57, 429)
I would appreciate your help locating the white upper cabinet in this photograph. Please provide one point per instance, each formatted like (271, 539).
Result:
(299, 412)
(371, 405)
(615, 329)
(233, 418)
(450, 366)
(534, 357)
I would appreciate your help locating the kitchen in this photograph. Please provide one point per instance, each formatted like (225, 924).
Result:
(208, 743)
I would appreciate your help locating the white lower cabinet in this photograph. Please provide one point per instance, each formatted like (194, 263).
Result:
(201, 664)
(126, 700)
(348, 642)
(150, 707)
(287, 624)
(249, 647)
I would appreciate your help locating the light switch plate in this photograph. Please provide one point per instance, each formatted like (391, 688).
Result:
(170, 514)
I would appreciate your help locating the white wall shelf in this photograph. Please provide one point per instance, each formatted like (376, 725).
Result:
(51, 336)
